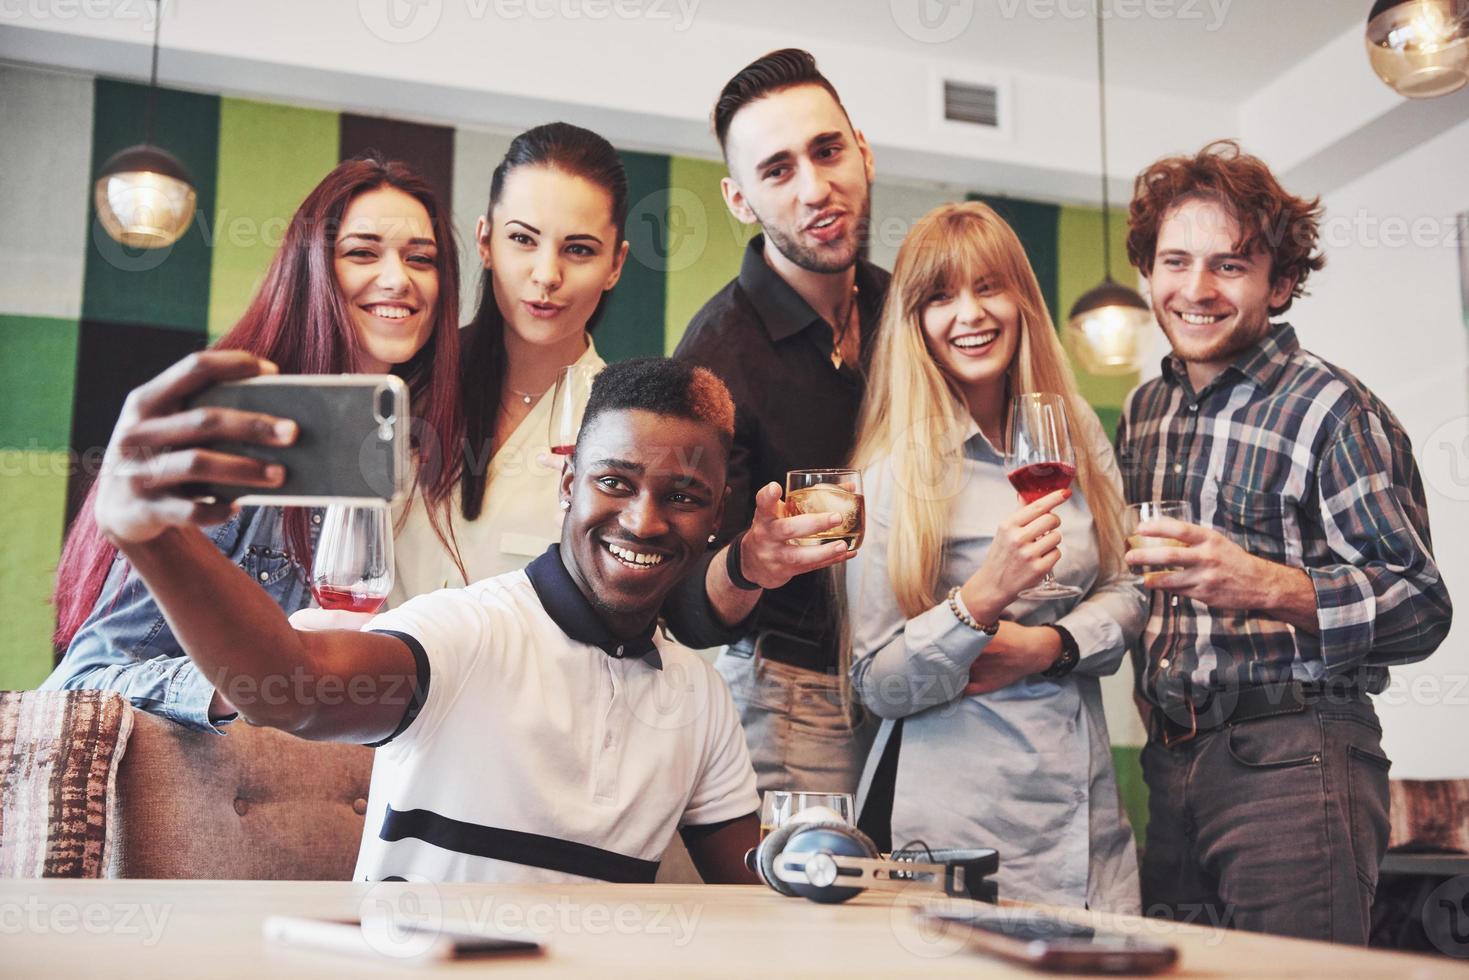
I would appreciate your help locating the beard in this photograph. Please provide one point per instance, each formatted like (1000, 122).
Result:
(1249, 329)
(838, 256)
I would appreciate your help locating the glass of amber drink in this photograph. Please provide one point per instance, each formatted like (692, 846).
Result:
(1138, 514)
(828, 492)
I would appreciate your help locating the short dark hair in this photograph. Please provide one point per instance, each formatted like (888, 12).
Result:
(1286, 227)
(765, 76)
(665, 387)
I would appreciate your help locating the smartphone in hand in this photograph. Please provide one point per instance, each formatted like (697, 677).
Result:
(353, 445)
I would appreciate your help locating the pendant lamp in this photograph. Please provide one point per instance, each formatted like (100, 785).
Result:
(1420, 47)
(1108, 323)
(145, 198)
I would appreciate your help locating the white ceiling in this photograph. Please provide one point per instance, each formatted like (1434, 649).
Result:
(1215, 50)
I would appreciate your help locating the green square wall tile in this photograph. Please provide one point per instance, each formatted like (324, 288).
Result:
(1127, 764)
(705, 243)
(33, 486)
(632, 323)
(38, 362)
(270, 157)
(166, 287)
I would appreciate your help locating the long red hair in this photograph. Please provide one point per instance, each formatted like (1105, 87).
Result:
(300, 320)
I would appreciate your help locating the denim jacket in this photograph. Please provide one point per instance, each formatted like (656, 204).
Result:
(127, 646)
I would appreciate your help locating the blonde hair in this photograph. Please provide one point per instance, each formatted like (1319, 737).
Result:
(915, 416)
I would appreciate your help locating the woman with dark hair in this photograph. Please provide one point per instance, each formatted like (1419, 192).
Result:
(366, 280)
(553, 246)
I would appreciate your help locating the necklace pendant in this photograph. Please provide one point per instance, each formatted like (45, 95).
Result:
(525, 398)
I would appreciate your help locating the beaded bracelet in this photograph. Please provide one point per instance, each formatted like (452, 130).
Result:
(988, 629)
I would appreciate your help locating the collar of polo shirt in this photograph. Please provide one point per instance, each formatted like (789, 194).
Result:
(571, 611)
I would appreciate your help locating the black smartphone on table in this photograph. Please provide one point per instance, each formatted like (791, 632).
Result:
(1047, 943)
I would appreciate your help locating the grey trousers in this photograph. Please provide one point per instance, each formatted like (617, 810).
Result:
(798, 735)
(1274, 825)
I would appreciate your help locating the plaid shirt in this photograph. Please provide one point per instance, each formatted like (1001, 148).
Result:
(1299, 463)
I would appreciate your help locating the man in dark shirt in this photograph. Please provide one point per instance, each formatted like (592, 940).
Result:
(1306, 572)
(790, 336)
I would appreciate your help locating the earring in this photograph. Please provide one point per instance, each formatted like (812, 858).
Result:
(566, 505)
(712, 537)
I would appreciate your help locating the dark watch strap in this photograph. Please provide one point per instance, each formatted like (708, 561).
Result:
(1070, 654)
(732, 566)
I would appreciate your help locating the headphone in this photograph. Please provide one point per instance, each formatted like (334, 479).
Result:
(808, 858)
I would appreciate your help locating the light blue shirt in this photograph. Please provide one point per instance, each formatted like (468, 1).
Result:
(1026, 769)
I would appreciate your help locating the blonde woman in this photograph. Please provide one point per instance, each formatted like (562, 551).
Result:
(986, 740)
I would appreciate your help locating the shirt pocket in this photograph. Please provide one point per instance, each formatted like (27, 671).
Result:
(1254, 519)
(269, 567)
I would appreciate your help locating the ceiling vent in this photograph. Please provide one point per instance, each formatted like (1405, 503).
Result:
(968, 103)
(976, 105)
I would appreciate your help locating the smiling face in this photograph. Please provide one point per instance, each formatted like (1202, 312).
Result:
(972, 331)
(385, 258)
(797, 167)
(552, 250)
(646, 491)
(1212, 301)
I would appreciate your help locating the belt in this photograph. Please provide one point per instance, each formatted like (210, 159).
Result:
(1246, 704)
(784, 648)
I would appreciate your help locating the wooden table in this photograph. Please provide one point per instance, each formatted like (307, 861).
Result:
(139, 928)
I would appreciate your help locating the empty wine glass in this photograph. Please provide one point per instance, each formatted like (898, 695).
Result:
(1040, 460)
(568, 405)
(353, 568)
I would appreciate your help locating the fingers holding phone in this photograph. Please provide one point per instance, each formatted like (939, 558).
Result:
(155, 458)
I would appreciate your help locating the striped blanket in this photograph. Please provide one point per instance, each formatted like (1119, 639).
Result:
(59, 753)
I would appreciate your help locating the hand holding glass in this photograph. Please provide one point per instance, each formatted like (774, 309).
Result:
(1039, 460)
(1138, 514)
(828, 492)
(353, 568)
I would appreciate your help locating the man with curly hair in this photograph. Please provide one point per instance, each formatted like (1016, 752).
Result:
(1306, 572)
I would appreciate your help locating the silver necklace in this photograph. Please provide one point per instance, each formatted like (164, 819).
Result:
(526, 396)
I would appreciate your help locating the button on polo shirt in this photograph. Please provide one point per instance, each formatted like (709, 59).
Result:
(546, 749)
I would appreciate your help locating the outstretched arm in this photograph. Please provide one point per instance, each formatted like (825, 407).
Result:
(331, 685)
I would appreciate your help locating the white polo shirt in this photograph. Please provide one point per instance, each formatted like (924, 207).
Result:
(544, 750)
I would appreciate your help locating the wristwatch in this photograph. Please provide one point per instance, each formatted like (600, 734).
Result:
(1070, 654)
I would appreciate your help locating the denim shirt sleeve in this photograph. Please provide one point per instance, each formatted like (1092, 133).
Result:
(127, 646)
(900, 666)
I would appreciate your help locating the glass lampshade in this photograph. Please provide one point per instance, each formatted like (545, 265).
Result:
(1420, 47)
(145, 198)
(1107, 327)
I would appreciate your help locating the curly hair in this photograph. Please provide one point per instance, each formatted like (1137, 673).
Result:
(665, 387)
(1284, 226)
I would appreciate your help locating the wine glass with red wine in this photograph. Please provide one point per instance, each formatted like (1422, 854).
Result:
(353, 569)
(568, 404)
(1040, 460)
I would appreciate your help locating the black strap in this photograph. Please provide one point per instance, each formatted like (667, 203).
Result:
(876, 818)
(420, 689)
(517, 847)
